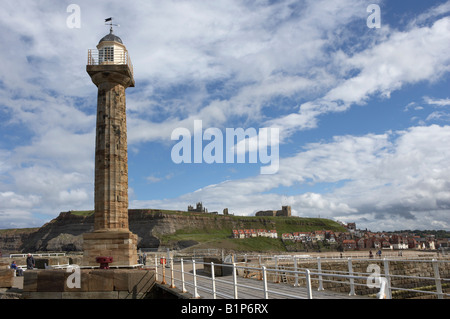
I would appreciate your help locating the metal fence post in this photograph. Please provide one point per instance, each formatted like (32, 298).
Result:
(352, 280)
(319, 269)
(308, 284)
(235, 281)
(382, 293)
(156, 268)
(296, 272)
(196, 295)
(213, 278)
(437, 279)
(163, 265)
(277, 279)
(183, 288)
(260, 274)
(266, 293)
(388, 278)
(172, 280)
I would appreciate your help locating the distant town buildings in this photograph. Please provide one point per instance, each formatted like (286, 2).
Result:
(249, 233)
(351, 239)
(348, 241)
(354, 239)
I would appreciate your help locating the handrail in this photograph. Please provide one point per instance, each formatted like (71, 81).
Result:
(118, 57)
(38, 255)
(383, 280)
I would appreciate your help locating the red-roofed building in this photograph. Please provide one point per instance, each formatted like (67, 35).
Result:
(349, 244)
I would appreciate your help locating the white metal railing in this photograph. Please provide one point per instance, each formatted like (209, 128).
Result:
(350, 277)
(38, 255)
(196, 286)
(335, 257)
(117, 57)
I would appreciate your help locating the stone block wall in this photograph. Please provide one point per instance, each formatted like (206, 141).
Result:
(218, 270)
(6, 278)
(119, 245)
(95, 283)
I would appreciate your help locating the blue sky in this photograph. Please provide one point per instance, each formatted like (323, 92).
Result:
(363, 113)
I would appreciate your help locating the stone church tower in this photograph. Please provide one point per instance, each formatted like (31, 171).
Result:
(110, 69)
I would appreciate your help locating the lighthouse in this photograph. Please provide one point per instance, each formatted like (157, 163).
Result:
(110, 69)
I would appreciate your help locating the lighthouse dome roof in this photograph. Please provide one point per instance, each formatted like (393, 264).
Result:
(111, 37)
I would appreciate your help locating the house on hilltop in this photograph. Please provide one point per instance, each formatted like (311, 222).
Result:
(349, 244)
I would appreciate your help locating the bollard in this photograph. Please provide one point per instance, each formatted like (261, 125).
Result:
(104, 262)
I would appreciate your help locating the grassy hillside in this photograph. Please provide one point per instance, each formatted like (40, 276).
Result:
(217, 232)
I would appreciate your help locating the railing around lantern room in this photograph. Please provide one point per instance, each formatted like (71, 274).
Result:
(109, 57)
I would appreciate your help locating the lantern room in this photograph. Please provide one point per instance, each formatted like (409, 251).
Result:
(110, 51)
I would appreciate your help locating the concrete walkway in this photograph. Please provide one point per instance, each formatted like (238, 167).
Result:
(247, 288)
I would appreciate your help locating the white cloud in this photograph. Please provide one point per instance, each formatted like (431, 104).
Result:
(442, 116)
(383, 68)
(412, 106)
(18, 218)
(436, 11)
(226, 63)
(156, 179)
(437, 102)
(401, 176)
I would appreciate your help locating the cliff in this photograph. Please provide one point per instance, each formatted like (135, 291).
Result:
(154, 228)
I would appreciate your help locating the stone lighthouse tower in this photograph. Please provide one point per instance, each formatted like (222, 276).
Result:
(110, 69)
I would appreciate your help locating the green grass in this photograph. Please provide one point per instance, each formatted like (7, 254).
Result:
(82, 212)
(12, 231)
(216, 230)
(259, 244)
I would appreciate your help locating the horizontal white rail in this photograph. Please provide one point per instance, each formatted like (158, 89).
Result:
(211, 285)
(38, 255)
(117, 57)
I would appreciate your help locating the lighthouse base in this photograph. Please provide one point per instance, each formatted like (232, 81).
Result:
(121, 245)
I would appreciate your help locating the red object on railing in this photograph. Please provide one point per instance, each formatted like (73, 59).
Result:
(104, 262)
(162, 261)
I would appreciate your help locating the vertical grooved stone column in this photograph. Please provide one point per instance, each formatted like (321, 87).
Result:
(111, 161)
